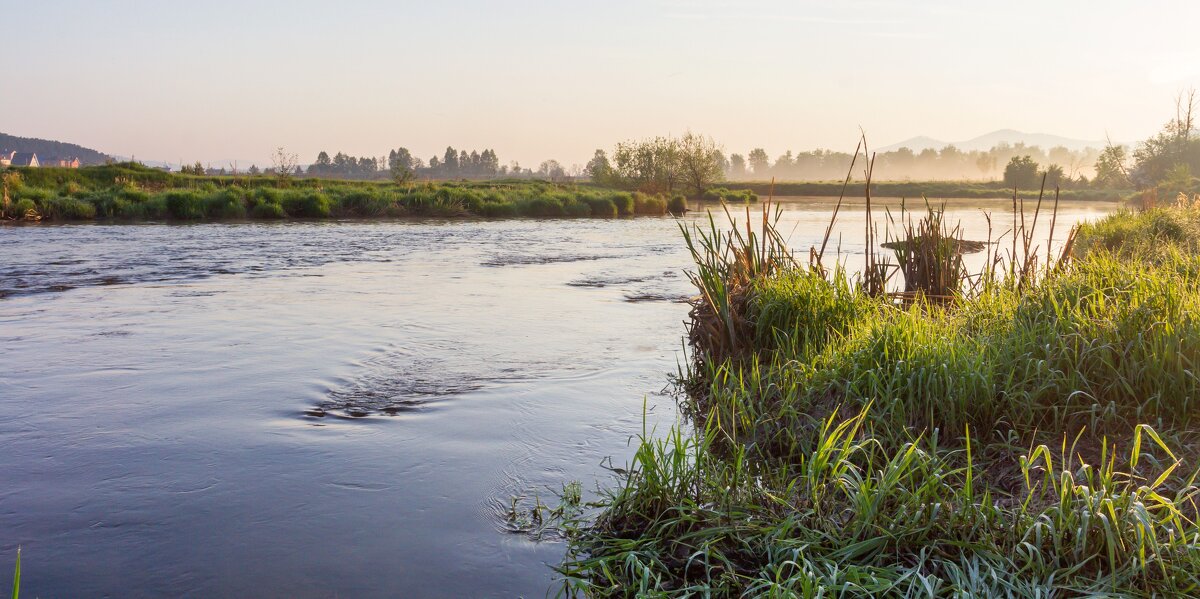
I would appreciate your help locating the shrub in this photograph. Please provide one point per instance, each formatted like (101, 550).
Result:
(66, 209)
(677, 204)
(648, 204)
(498, 209)
(624, 203)
(268, 211)
(576, 208)
(601, 207)
(185, 205)
(225, 205)
(22, 207)
(542, 206)
(308, 204)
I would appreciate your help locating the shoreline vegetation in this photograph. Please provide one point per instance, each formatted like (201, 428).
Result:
(918, 430)
(131, 192)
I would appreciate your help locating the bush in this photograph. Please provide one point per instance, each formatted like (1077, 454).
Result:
(22, 207)
(542, 206)
(185, 205)
(268, 211)
(601, 207)
(677, 205)
(225, 205)
(648, 204)
(66, 209)
(307, 204)
(498, 209)
(624, 203)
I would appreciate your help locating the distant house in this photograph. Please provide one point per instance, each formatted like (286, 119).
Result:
(6, 157)
(29, 159)
(61, 162)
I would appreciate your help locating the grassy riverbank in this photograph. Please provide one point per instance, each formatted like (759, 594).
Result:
(1034, 436)
(132, 192)
(915, 189)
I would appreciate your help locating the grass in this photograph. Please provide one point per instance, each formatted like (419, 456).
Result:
(132, 192)
(16, 587)
(1031, 436)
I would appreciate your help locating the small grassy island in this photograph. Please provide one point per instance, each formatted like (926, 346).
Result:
(132, 192)
(1032, 435)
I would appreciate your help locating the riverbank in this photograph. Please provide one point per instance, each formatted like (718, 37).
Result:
(1031, 436)
(915, 189)
(132, 192)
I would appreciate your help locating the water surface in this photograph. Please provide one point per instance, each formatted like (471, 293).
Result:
(335, 408)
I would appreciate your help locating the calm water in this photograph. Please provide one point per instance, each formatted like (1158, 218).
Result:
(331, 409)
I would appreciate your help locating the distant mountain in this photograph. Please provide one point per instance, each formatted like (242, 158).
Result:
(988, 141)
(47, 149)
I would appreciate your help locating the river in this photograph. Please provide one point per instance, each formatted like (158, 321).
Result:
(335, 409)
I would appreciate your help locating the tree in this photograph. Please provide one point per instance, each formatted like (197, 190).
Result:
(759, 162)
(737, 166)
(650, 165)
(986, 163)
(284, 163)
(1156, 159)
(253, 170)
(1112, 167)
(551, 170)
(450, 164)
(1053, 175)
(1021, 173)
(401, 166)
(598, 168)
(701, 162)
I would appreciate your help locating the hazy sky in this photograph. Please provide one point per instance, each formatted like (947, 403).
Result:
(213, 80)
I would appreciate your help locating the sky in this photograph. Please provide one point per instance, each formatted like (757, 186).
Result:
(215, 80)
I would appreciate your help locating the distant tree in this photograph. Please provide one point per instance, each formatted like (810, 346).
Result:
(986, 163)
(1021, 173)
(284, 162)
(450, 165)
(598, 168)
(737, 166)
(551, 170)
(489, 163)
(1054, 176)
(253, 170)
(1112, 168)
(650, 165)
(401, 166)
(701, 162)
(759, 162)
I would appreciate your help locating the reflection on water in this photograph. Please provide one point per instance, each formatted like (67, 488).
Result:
(330, 409)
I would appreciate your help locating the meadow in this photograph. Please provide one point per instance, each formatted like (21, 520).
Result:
(132, 192)
(918, 430)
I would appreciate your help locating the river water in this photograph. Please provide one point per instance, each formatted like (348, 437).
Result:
(334, 409)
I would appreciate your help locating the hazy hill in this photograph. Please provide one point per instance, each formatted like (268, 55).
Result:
(47, 149)
(988, 141)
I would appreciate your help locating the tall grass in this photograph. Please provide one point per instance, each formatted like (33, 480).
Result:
(1033, 434)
